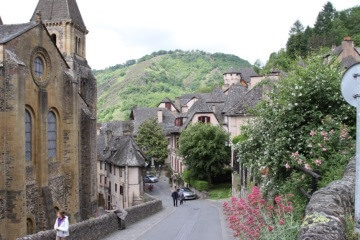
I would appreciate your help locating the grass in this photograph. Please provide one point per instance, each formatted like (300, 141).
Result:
(220, 191)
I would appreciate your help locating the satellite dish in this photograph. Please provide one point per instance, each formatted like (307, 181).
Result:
(350, 84)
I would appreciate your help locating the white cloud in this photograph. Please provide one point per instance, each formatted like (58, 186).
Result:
(123, 30)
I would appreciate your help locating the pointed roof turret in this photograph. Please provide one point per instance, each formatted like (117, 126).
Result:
(60, 10)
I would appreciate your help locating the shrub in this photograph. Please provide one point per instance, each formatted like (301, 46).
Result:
(253, 218)
(200, 185)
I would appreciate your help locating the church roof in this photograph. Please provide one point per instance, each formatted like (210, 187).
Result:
(9, 32)
(60, 10)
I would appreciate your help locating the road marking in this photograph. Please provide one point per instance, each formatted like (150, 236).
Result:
(186, 229)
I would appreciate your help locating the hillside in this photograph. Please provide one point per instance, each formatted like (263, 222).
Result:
(148, 80)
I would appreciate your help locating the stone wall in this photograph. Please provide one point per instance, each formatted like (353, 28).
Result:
(98, 228)
(143, 210)
(325, 213)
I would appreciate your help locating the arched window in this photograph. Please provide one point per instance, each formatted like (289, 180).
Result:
(53, 38)
(51, 134)
(28, 136)
(38, 67)
(29, 226)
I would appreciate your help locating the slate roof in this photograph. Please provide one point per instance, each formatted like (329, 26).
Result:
(200, 106)
(11, 31)
(348, 61)
(235, 92)
(140, 115)
(337, 50)
(246, 102)
(166, 100)
(123, 151)
(59, 10)
(217, 96)
(246, 73)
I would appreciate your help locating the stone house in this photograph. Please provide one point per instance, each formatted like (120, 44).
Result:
(227, 107)
(121, 166)
(47, 121)
(347, 53)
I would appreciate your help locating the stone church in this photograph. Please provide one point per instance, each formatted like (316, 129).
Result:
(47, 121)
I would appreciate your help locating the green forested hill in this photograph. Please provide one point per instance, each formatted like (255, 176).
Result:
(146, 81)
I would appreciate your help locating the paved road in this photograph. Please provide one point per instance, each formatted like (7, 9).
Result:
(194, 220)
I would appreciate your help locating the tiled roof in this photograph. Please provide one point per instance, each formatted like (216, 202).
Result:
(245, 73)
(9, 32)
(246, 102)
(123, 151)
(166, 100)
(348, 61)
(217, 96)
(60, 10)
(235, 92)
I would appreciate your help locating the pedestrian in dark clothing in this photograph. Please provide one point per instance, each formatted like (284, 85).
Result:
(181, 196)
(175, 197)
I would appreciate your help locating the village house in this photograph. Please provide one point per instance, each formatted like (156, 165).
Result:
(346, 53)
(121, 166)
(47, 121)
(227, 107)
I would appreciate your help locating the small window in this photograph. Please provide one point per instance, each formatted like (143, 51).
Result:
(53, 38)
(29, 226)
(178, 122)
(114, 171)
(168, 105)
(121, 190)
(120, 172)
(100, 165)
(110, 168)
(105, 180)
(52, 134)
(39, 67)
(100, 180)
(204, 119)
(28, 136)
(105, 166)
(115, 187)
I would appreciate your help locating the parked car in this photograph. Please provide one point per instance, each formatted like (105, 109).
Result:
(188, 194)
(150, 179)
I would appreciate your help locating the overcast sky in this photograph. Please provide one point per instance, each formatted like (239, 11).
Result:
(121, 30)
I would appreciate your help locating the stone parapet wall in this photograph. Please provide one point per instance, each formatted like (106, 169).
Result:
(98, 228)
(143, 210)
(326, 211)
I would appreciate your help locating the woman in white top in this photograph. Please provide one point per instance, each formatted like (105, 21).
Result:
(61, 226)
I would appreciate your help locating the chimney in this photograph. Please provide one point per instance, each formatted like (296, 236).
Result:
(347, 45)
(1, 22)
(160, 116)
(214, 108)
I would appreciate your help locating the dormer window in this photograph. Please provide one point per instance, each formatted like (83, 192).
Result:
(178, 122)
(204, 119)
(168, 106)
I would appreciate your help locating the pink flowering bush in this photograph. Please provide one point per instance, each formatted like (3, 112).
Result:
(253, 218)
(327, 151)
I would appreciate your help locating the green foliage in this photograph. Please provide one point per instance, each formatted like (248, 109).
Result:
(300, 102)
(204, 149)
(330, 28)
(200, 185)
(152, 141)
(220, 191)
(147, 81)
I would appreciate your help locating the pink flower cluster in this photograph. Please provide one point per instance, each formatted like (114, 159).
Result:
(248, 217)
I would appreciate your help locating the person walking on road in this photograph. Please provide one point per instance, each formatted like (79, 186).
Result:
(181, 196)
(175, 197)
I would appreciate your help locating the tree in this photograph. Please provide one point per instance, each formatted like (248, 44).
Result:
(324, 20)
(204, 149)
(258, 66)
(296, 28)
(152, 141)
